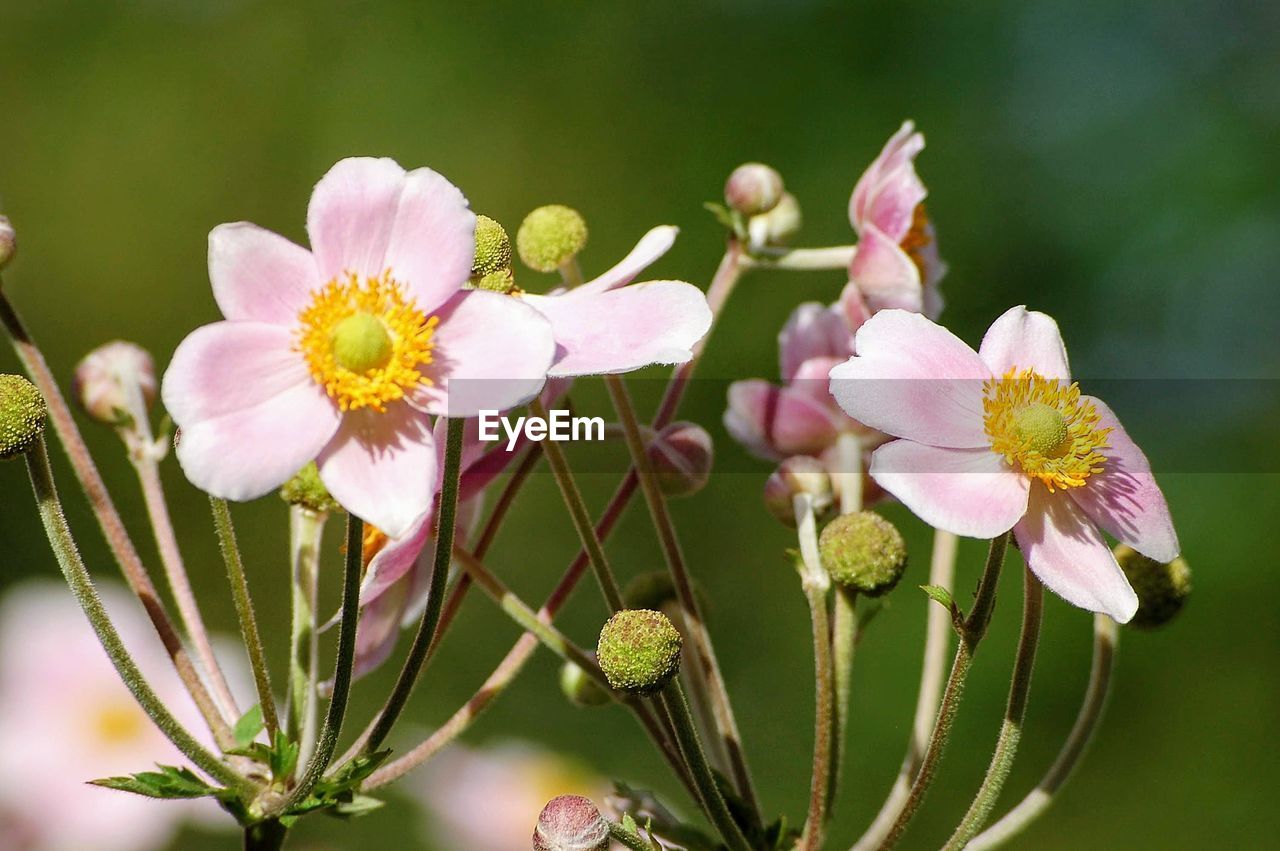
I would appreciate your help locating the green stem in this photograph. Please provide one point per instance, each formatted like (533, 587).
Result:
(77, 576)
(677, 708)
(1014, 715)
(418, 652)
(327, 742)
(1105, 637)
(802, 259)
(266, 835)
(974, 630)
(844, 631)
(816, 585)
(306, 531)
(628, 838)
(244, 612)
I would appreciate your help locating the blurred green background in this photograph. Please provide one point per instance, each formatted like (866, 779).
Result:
(1112, 164)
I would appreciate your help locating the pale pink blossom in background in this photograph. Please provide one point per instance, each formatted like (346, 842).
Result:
(66, 718)
(1000, 439)
(261, 394)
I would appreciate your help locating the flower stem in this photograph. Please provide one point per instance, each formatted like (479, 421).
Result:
(1014, 714)
(244, 612)
(816, 585)
(844, 630)
(802, 259)
(974, 630)
(445, 527)
(77, 576)
(113, 529)
(1105, 638)
(306, 531)
(628, 838)
(266, 835)
(942, 569)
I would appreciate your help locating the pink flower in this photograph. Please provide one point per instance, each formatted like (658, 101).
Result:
(65, 719)
(339, 354)
(1000, 439)
(896, 264)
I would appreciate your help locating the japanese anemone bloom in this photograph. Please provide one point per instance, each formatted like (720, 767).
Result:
(1001, 439)
(896, 264)
(340, 353)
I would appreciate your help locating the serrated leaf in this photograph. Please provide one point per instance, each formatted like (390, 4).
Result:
(283, 758)
(359, 805)
(168, 782)
(249, 726)
(940, 595)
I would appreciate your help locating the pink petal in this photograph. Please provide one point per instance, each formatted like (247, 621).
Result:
(852, 306)
(812, 330)
(1124, 498)
(492, 353)
(396, 558)
(913, 379)
(892, 208)
(378, 628)
(1067, 552)
(901, 147)
(622, 330)
(813, 379)
(259, 275)
(970, 492)
(651, 246)
(884, 273)
(1025, 339)
(382, 467)
(249, 413)
(368, 215)
(776, 422)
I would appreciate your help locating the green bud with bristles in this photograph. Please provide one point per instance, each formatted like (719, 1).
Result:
(499, 281)
(306, 490)
(1162, 588)
(22, 415)
(580, 688)
(551, 236)
(639, 651)
(493, 248)
(864, 552)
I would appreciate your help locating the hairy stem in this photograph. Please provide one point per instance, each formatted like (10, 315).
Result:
(306, 531)
(816, 585)
(844, 631)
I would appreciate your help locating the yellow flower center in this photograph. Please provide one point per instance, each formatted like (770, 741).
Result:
(365, 342)
(116, 722)
(1043, 426)
(918, 238)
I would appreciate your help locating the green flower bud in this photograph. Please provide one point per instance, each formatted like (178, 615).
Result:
(493, 248)
(639, 651)
(306, 490)
(753, 188)
(571, 823)
(22, 415)
(499, 281)
(8, 242)
(863, 551)
(1162, 589)
(580, 689)
(551, 236)
(796, 475)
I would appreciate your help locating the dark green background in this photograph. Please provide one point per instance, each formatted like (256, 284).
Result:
(1113, 164)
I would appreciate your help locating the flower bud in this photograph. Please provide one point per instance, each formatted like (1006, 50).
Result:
(551, 236)
(639, 651)
(8, 242)
(753, 188)
(571, 823)
(1162, 589)
(581, 689)
(681, 455)
(864, 552)
(306, 490)
(796, 475)
(22, 415)
(493, 248)
(777, 226)
(112, 378)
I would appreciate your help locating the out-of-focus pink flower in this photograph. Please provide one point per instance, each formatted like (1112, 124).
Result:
(65, 719)
(489, 799)
(116, 381)
(1001, 439)
(340, 353)
(896, 264)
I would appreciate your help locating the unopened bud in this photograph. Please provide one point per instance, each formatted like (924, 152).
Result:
(571, 823)
(639, 651)
(550, 237)
(112, 379)
(306, 490)
(493, 248)
(681, 455)
(8, 242)
(796, 475)
(1162, 589)
(777, 226)
(22, 415)
(864, 552)
(753, 188)
(580, 688)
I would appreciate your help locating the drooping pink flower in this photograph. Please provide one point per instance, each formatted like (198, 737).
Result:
(896, 264)
(340, 353)
(1001, 439)
(66, 719)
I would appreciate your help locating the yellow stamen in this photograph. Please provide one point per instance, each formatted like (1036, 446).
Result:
(918, 239)
(1043, 426)
(365, 342)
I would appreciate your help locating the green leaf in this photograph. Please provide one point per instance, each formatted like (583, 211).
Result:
(283, 758)
(249, 726)
(722, 214)
(359, 805)
(168, 782)
(940, 595)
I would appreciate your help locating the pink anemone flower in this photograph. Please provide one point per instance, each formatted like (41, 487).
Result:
(340, 353)
(1001, 439)
(896, 264)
